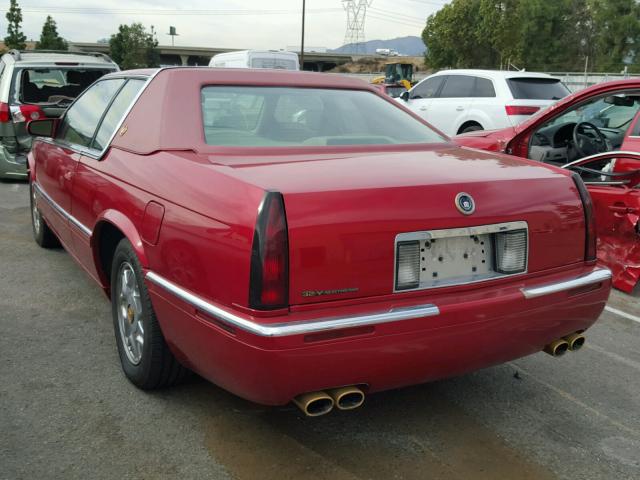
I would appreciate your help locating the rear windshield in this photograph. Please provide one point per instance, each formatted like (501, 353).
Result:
(272, 62)
(275, 116)
(537, 88)
(54, 85)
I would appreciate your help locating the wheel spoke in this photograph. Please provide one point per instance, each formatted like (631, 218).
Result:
(130, 313)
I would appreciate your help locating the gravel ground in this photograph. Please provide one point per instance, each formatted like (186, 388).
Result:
(66, 410)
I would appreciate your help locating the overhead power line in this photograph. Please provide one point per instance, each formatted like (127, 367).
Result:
(186, 12)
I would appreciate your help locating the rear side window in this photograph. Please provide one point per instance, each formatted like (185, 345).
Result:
(115, 113)
(458, 86)
(429, 88)
(537, 88)
(484, 88)
(81, 120)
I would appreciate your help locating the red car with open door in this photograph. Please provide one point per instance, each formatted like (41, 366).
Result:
(297, 236)
(595, 132)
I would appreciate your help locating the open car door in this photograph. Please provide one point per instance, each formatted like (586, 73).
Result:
(616, 199)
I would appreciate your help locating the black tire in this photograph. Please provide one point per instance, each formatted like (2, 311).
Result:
(42, 234)
(471, 128)
(156, 366)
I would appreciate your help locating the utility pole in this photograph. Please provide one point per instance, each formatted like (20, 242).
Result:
(302, 42)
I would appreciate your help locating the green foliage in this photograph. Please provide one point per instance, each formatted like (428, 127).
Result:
(534, 34)
(15, 38)
(49, 38)
(134, 47)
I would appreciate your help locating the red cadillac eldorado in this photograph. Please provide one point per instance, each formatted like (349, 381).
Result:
(301, 237)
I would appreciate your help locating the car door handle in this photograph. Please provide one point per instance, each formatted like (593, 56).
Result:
(423, 108)
(459, 109)
(622, 209)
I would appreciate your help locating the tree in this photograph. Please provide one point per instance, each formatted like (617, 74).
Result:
(49, 38)
(15, 38)
(618, 33)
(547, 35)
(134, 47)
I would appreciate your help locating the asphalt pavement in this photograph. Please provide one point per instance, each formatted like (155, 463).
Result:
(67, 411)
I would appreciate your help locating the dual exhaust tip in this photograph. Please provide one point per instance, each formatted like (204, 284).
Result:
(559, 347)
(314, 404)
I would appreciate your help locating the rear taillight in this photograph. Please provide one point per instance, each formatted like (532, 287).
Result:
(269, 278)
(26, 113)
(4, 112)
(589, 220)
(520, 109)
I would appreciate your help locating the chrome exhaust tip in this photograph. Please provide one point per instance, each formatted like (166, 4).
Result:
(347, 398)
(314, 404)
(576, 341)
(557, 348)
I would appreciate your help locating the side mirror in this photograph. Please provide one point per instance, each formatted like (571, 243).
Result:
(405, 95)
(42, 128)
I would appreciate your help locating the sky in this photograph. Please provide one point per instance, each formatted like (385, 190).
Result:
(272, 24)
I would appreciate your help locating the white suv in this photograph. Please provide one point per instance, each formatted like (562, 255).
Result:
(458, 101)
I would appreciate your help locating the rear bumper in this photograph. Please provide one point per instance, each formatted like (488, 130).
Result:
(382, 345)
(12, 166)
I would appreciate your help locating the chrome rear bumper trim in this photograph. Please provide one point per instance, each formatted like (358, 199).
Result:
(599, 275)
(322, 324)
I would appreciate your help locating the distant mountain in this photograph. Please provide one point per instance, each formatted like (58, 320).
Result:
(411, 46)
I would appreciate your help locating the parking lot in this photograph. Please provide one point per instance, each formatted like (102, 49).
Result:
(67, 411)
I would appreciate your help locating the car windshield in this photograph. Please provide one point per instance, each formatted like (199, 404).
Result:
(537, 88)
(277, 116)
(615, 111)
(54, 85)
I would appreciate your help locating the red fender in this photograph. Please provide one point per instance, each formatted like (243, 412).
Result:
(126, 226)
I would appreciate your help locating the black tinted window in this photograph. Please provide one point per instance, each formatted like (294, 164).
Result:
(428, 88)
(115, 113)
(458, 86)
(537, 88)
(81, 120)
(484, 88)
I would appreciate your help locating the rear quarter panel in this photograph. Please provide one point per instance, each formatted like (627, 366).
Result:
(204, 243)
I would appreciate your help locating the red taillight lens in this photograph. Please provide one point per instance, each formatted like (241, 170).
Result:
(4, 112)
(589, 220)
(269, 282)
(26, 113)
(520, 110)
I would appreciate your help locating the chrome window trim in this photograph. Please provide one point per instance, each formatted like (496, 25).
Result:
(98, 154)
(87, 231)
(608, 184)
(321, 324)
(599, 275)
(459, 232)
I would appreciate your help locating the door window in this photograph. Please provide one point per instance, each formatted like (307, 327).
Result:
(115, 113)
(458, 86)
(81, 120)
(429, 88)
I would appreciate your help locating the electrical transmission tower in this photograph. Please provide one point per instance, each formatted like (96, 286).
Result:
(356, 14)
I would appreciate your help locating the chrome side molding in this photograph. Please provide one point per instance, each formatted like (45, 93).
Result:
(86, 230)
(596, 276)
(322, 324)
